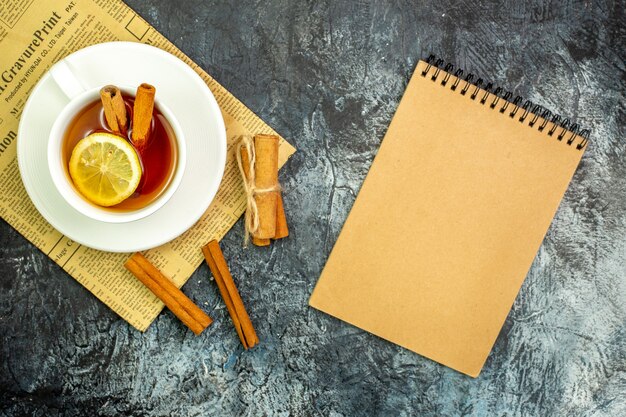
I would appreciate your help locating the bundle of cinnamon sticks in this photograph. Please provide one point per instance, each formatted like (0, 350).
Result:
(265, 213)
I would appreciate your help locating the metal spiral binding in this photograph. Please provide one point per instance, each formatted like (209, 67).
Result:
(560, 126)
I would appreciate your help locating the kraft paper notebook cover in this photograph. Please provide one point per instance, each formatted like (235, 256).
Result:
(450, 217)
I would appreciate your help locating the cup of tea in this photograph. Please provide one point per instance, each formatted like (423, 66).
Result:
(162, 161)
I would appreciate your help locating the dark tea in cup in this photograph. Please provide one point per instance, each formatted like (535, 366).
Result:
(158, 158)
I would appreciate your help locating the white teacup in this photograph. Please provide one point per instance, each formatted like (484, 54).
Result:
(79, 99)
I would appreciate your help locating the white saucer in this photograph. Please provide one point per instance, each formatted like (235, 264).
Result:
(188, 97)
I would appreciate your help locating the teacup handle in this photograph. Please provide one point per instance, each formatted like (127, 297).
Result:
(65, 78)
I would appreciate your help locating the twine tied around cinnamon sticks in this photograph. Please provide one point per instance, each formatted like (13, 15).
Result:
(260, 181)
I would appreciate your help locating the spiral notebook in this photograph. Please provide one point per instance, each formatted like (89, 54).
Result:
(450, 217)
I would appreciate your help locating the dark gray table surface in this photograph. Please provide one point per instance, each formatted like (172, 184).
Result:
(328, 76)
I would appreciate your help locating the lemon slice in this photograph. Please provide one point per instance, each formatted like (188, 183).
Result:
(105, 168)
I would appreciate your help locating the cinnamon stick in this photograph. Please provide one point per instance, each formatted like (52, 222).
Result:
(178, 303)
(114, 109)
(142, 115)
(215, 259)
(266, 178)
(245, 159)
(282, 230)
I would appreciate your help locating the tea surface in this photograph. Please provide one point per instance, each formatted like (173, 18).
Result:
(158, 159)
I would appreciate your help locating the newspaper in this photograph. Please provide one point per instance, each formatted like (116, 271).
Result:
(34, 34)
